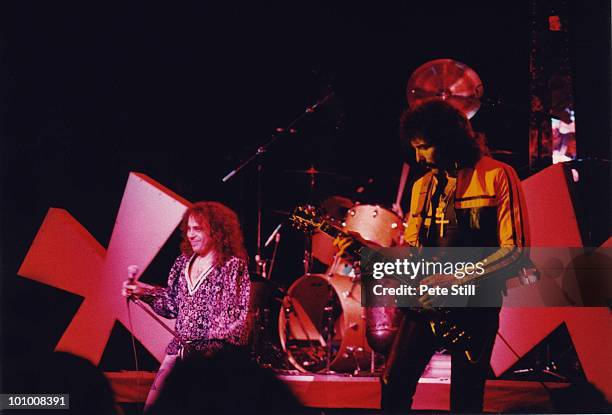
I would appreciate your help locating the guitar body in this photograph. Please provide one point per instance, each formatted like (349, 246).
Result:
(452, 335)
(462, 329)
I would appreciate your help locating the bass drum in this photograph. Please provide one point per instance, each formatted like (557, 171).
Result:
(322, 321)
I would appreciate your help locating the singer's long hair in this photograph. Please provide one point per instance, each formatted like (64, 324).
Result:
(443, 126)
(223, 228)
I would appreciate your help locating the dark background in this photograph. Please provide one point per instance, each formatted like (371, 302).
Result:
(183, 92)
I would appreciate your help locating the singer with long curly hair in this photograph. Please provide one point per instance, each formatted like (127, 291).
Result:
(208, 287)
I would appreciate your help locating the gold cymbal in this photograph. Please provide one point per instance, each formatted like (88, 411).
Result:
(447, 80)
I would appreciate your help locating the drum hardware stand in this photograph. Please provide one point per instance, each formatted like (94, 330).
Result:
(289, 309)
(372, 370)
(258, 155)
(266, 351)
(354, 353)
(266, 354)
(544, 366)
(333, 266)
(307, 261)
(329, 308)
(274, 236)
(349, 294)
(372, 362)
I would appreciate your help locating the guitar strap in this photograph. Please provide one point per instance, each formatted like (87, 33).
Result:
(424, 196)
(424, 202)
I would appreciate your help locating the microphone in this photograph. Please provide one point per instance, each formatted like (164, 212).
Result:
(132, 273)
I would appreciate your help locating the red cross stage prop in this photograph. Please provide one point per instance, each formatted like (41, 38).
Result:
(66, 256)
(553, 223)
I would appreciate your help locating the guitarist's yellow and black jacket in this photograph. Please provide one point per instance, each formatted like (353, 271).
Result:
(489, 211)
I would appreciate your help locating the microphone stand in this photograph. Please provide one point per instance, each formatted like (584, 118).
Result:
(258, 155)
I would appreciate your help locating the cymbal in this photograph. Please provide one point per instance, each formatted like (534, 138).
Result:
(312, 171)
(447, 80)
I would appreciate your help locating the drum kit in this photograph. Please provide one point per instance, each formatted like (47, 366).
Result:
(322, 326)
(321, 323)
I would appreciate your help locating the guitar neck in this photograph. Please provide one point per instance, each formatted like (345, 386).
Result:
(357, 248)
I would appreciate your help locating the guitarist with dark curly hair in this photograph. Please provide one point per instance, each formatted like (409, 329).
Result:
(466, 199)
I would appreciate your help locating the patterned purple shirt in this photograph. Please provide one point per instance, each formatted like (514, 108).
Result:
(215, 313)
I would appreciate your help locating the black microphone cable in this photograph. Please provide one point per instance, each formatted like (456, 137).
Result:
(132, 271)
(136, 364)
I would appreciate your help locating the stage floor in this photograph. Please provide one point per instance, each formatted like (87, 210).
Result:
(363, 391)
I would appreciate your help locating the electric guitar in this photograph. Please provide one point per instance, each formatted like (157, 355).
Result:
(451, 333)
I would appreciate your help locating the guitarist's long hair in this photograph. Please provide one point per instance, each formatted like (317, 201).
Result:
(446, 128)
(223, 226)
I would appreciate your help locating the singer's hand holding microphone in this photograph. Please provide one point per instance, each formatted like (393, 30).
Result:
(132, 287)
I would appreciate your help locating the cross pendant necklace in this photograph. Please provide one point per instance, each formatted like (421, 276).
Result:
(440, 215)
